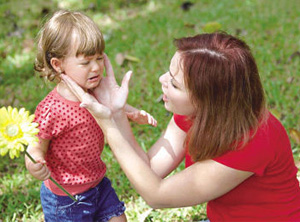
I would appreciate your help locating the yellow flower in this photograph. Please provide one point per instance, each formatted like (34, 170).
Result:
(16, 131)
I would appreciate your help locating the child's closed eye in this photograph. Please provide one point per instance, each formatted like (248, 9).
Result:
(85, 63)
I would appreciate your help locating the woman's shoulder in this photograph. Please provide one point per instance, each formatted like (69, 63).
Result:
(183, 122)
(271, 129)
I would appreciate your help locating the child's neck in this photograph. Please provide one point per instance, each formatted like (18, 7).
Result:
(65, 92)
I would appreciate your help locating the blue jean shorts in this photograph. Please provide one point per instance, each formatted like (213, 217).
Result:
(100, 203)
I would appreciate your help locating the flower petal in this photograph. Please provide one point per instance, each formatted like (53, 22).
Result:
(14, 143)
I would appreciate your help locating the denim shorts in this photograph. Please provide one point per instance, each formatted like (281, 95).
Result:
(100, 203)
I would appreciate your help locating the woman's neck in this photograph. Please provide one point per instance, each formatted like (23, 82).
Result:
(65, 92)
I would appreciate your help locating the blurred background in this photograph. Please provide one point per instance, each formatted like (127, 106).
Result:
(139, 36)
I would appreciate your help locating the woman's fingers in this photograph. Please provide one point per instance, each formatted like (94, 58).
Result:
(98, 110)
(108, 67)
(77, 90)
(87, 100)
(126, 79)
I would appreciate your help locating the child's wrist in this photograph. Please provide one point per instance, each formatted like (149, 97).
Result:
(119, 113)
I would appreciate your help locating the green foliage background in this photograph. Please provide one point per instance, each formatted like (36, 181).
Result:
(145, 30)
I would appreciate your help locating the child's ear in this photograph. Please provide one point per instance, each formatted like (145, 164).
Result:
(56, 64)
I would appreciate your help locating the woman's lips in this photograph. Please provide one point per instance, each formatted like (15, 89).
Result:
(165, 98)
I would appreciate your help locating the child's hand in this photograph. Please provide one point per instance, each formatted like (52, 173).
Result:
(39, 170)
(141, 117)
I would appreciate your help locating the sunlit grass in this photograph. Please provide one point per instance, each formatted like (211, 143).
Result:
(145, 30)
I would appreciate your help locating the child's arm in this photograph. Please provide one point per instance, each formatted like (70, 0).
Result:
(39, 170)
(139, 116)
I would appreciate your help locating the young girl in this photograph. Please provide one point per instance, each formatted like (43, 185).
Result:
(70, 141)
(238, 155)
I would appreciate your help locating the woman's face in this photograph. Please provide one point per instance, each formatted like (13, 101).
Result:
(175, 94)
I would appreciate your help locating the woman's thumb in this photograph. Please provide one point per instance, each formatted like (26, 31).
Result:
(126, 79)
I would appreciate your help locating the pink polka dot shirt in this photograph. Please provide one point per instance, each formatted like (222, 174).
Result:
(73, 156)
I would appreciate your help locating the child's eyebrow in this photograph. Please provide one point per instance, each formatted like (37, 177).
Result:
(91, 56)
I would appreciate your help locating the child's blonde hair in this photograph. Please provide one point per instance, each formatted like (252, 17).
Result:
(56, 39)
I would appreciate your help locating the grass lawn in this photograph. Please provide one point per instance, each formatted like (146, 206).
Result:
(143, 31)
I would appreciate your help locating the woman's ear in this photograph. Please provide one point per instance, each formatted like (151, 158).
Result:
(56, 64)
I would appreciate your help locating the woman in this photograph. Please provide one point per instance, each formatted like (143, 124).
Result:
(238, 155)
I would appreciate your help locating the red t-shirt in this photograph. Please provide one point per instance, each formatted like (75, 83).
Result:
(73, 156)
(272, 193)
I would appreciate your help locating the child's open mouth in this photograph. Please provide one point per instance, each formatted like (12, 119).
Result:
(94, 78)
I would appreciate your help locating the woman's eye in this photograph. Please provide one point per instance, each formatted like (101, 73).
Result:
(172, 83)
(99, 58)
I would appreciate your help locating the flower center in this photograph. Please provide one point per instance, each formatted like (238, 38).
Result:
(12, 130)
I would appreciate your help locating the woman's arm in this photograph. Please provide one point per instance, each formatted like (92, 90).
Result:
(169, 150)
(166, 154)
(201, 182)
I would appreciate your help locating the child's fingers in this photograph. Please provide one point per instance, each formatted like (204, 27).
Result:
(133, 116)
(40, 171)
(41, 161)
(130, 115)
(150, 119)
(46, 174)
(153, 121)
(37, 167)
(142, 117)
(143, 113)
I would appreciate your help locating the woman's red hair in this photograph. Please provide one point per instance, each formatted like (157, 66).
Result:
(223, 81)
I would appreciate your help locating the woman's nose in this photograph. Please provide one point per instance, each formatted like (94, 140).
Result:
(163, 79)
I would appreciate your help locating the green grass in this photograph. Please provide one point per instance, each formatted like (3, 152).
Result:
(145, 30)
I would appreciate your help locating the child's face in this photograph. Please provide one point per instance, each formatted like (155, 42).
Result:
(86, 71)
